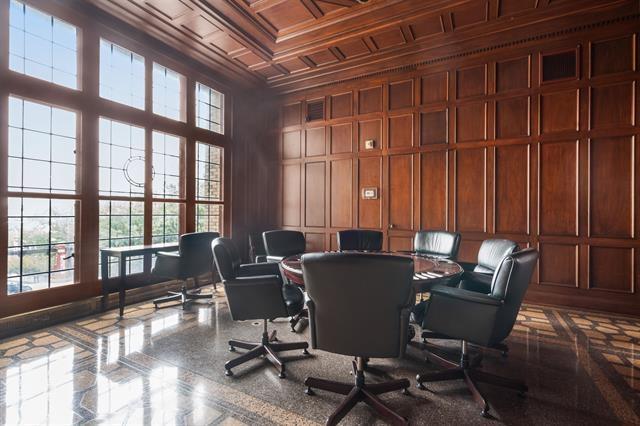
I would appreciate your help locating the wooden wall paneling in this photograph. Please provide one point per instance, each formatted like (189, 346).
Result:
(558, 264)
(315, 195)
(604, 276)
(370, 130)
(471, 81)
(434, 127)
(471, 122)
(435, 87)
(612, 105)
(512, 183)
(291, 194)
(513, 74)
(434, 189)
(512, 117)
(315, 144)
(370, 175)
(341, 136)
(341, 176)
(291, 114)
(396, 243)
(315, 241)
(559, 111)
(612, 56)
(470, 190)
(341, 105)
(401, 94)
(291, 145)
(400, 131)
(400, 193)
(370, 100)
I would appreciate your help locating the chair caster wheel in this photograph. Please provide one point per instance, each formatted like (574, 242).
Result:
(228, 373)
(420, 386)
(305, 352)
(485, 413)
(232, 349)
(405, 391)
(309, 391)
(282, 375)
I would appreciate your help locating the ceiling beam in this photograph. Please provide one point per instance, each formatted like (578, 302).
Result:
(262, 5)
(312, 7)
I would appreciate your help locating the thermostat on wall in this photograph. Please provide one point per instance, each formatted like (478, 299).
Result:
(369, 193)
(369, 144)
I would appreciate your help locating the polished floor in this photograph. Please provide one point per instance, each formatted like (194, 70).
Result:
(166, 367)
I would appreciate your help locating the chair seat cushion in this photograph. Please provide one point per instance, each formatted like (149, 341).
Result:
(293, 298)
(476, 281)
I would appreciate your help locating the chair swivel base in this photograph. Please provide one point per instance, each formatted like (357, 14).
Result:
(360, 392)
(471, 374)
(268, 347)
(500, 347)
(293, 322)
(183, 296)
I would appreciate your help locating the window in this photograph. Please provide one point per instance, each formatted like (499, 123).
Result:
(209, 109)
(42, 138)
(121, 224)
(122, 159)
(209, 189)
(121, 75)
(167, 166)
(42, 46)
(166, 222)
(41, 243)
(168, 93)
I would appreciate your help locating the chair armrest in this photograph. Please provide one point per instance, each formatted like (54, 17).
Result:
(274, 259)
(255, 297)
(467, 266)
(261, 258)
(465, 295)
(252, 269)
(168, 254)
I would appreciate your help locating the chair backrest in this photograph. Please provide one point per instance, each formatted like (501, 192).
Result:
(359, 239)
(227, 258)
(491, 254)
(342, 320)
(195, 253)
(256, 246)
(509, 284)
(437, 243)
(283, 242)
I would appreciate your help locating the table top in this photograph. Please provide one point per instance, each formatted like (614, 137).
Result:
(428, 271)
(139, 249)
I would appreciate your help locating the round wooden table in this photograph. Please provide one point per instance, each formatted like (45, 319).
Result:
(428, 271)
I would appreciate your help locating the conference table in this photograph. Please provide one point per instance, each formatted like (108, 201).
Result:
(427, 271)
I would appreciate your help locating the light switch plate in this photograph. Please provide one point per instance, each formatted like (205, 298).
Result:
(370, 193)
(369, 144)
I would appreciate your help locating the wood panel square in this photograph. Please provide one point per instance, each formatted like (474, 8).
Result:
(470, 190)
(558, 264)
(509, 7)
(612, 106)
(387, 39)
(426, 27)
(401, 131)
(512, 189)
(291, 197)
(612, 56)
(314, 242)
(315, 144)
(469, 250)
(469, 14)
(341, 105)
(341, 138)
(314, 194)
(471, 122)
(435, 87)
(286, 14)
(401, 191)
(433, 190)
(471, 81)
(401, 94)
(370, 130)
(370, 100)
(291, 145)
(341, 193)
(370, 176)
(291, 114)
(353, 48)
(400, 243)
(512, 118)
(434, 127)
(512, 74)
(611, 268)
(559, 111)
(611, 187)
(558, 209)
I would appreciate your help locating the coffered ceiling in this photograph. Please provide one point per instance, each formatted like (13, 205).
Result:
(280, 43)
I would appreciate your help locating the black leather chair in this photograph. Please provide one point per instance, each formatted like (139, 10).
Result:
(437, 244)
(359, 239)
(342, 323)
(477, 276)
(192, 260)
(481, 319)
(281, 243)
(257, 253)
(255, 291)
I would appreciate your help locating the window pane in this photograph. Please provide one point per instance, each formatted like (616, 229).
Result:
(122, 159)
(167, 223)
(42, 148)
(209, 109)
(121, 224)
(167, 161)
(41, 241)
(42, 46)
(167, 93)
(208, 172)
(121, 75)
(209, 218)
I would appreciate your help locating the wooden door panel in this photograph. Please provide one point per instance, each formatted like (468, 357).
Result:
(341, 193)
(558, 193)
(512, 189)
(433, 190)
(401, 191)
(370, 176)
(315, 194)
(470, 190)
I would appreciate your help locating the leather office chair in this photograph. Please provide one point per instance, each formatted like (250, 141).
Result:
(257, 253)
(255, 291)
(481, 319)
(281, 243)
(437, 244)
(342, 324)
(359, 239)
(192, 260)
